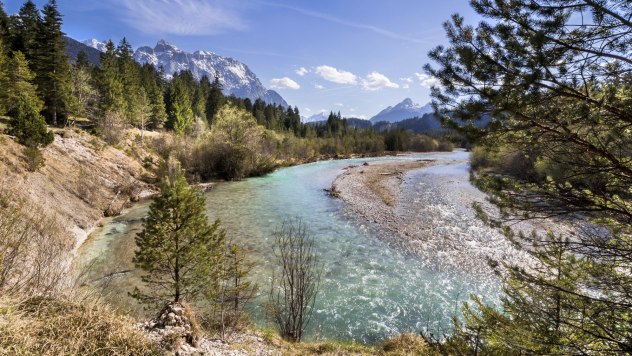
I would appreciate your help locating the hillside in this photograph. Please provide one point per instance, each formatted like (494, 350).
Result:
(82, 180)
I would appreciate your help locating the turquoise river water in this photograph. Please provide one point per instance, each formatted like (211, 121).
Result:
(370, 289)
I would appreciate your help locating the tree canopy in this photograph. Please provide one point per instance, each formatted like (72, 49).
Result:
(556, 79)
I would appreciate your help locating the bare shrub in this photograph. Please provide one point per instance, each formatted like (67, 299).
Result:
(292, 296)
(111, 127)
(33, 249)
(34, 158)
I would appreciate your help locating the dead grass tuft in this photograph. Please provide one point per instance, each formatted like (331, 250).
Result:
(46, 326)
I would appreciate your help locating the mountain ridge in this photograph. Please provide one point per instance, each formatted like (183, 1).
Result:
(236, 78)
(404, 110)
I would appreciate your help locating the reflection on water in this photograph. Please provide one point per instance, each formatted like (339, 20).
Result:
(369, 290)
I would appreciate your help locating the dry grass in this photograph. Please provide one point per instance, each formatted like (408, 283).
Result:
(407, 344)
(44, 326)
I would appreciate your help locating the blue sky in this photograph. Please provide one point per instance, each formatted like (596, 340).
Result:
(352, 56)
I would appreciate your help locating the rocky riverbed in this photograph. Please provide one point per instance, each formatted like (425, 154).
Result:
(425, 207)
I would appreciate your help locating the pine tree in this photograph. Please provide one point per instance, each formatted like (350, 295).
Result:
(215, 99)
(4, 79)
(27, 124)
(109, 83)
(4, 25)
(53, 71)
(180, 113)
(556, 93)
(25, 28)
(177, 249)
(130, 79)
(21, 83)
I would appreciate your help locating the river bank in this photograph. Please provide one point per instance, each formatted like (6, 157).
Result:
(426, 209)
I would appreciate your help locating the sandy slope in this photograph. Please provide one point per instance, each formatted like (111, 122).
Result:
(82, 179)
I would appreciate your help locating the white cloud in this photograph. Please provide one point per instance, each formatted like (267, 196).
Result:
(319, 87)
(180, 17)
(284, 83)
(335, 75)
(302, 71)
(405, 86)
(426, 80)
(406, 80)
(376, 81)
(339, 104)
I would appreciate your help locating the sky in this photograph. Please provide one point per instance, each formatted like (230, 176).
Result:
(352, 56)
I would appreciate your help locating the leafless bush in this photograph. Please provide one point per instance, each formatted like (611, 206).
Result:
(292, 296)
(33, 250)
(111, 127)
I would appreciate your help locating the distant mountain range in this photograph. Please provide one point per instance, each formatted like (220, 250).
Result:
(321, 116)
(406, 115)
(405, 110)
(236, 78)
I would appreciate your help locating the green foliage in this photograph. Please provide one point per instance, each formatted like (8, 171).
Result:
(20, 84)
(109, 83)
(558, 144)
(50, 63)
(27, 125)
(179, 107)
(236, 147)
(4, 79)
(178, 249)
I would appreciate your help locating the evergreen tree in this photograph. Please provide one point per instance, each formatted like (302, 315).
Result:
(25, 28)
(180, 113)
(130, 79)
(559, 96)
(215, 99)
(4, 25)
(109, 83)
(51, 65)
(177, 249)
(27, 124)
(20, 79)
(4, 79)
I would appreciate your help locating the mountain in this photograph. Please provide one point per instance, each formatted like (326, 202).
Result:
(428, 123)
(74, 47)
(96, 44)
(405, 110)
(358, 123)
(236, 78)
(322, 116)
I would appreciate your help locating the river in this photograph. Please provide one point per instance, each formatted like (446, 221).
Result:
(371, 289)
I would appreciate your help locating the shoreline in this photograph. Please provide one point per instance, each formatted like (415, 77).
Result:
(427, 213)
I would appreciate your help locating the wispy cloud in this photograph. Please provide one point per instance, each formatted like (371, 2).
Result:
(345, 22)
(376, 81)
(319, 87)
(181, 17)
(301, 71)
(284, 83)
(335, 75)
(426, 80)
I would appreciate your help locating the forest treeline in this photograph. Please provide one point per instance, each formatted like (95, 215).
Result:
(39, 86)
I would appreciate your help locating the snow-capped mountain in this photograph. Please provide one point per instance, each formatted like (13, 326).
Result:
(96, 44)
(405, 110)
(321, 116)
(236, 78)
